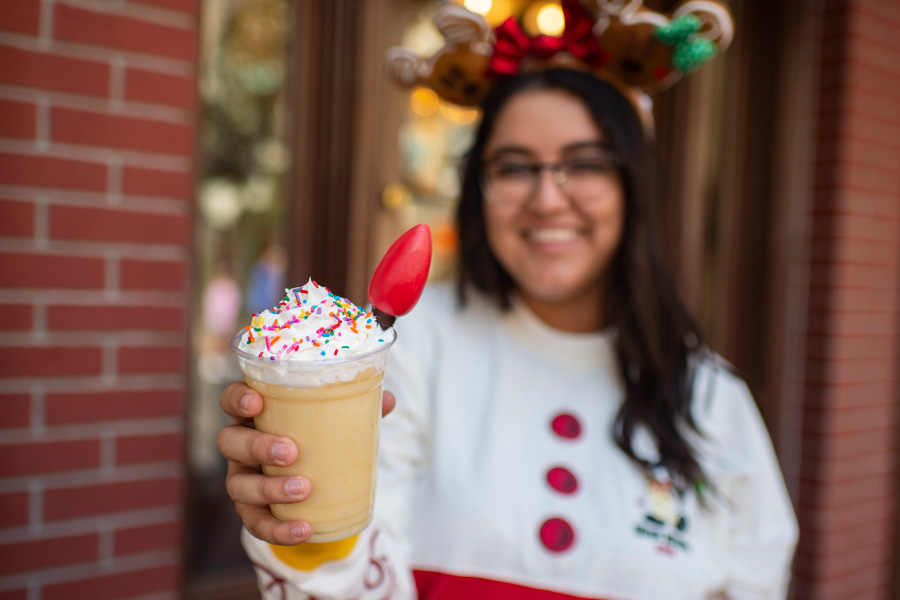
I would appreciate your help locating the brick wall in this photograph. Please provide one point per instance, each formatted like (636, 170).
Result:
(96, 180)
(847, 505)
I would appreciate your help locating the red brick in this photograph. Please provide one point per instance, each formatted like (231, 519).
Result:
(858, 126)
(115, 318)
(853, 251)
(18, 217)
(853, 277)
(861, 203)
(857, 100)
(849, 470)
(14, 595)
(41, 554)
(862, 177)
(848, 420)
(16, 410)
(102, 225)
(860, 75)
(858, 536)
(870, 177)
(851, 323)
(98, 129)
(825, 519)
(15, 317)
(103, 499)
(851, 347)
(116, 587)
(866, 488)
(164, 184)
(48, 172)
(85, 26)
(49, 361)
(53, 72)
(144, 539)
(50, 271)
(153, 275)
(20, 16)
(13, 509)
(17, 119)
(150, 448)
(188, 6)
(850, 395)
(850, 371)
(859, 65)
(859, 151)
(168, 359)
(62, 409)
(832, 227)
(873, 23)
(856, 53)
(857, 300)
(850, 445)
(854, 561)
(48, 457)
(160, 88)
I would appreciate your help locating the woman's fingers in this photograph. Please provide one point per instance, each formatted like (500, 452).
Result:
(252, 447)
(241, 402)
(264, 526)
(388, 402)
(249, 487)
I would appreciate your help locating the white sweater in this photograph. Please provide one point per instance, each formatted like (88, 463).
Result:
(499, 478)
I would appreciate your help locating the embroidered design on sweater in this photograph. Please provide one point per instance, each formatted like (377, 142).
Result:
(664, 519)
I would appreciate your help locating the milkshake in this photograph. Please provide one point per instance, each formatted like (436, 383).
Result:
(318, 361)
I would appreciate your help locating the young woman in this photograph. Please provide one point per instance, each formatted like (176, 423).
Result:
(560, 429)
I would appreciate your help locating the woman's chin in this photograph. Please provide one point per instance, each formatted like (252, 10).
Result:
(551, 291)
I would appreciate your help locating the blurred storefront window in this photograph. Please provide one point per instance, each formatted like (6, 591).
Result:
(240, 261)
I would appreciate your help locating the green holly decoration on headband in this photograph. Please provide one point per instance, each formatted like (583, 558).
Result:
(691, 51)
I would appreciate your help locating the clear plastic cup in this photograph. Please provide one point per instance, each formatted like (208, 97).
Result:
(332, 411)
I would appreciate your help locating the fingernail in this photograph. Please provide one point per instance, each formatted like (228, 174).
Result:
(298, 531)
(294, 486)
(280, 451)
(245, 402)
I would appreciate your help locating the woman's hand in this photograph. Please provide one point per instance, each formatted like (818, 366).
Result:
(246, 450)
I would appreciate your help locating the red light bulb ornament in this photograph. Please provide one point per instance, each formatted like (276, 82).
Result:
(400, 277)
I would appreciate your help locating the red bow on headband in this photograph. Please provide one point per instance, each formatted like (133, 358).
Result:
(514, 45)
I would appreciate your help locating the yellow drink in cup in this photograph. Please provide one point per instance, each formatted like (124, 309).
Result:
(322, 390)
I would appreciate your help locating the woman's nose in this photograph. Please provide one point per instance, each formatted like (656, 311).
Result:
(549, 195)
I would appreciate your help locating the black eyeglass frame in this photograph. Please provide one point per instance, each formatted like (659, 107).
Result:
(556, 168)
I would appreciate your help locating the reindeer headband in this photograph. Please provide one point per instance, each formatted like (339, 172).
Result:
(641, 51)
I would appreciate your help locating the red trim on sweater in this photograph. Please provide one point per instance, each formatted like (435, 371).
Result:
(441, 586)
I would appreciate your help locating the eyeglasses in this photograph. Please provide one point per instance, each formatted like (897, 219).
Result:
(510, 182)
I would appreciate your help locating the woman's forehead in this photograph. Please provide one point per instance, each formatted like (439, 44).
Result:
(543, 120)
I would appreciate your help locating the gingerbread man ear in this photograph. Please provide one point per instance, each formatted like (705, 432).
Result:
(612, 7)
(460, 27)
(404, 66)
(697, 31)
(717, 23)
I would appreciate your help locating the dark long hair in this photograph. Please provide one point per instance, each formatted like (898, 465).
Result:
(656, 338)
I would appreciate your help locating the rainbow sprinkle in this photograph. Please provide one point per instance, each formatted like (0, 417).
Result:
(332, 317)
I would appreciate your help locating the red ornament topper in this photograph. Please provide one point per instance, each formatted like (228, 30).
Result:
(400, 277)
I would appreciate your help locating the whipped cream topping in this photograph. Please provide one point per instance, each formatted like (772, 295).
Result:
(312, 337)
(312, 323)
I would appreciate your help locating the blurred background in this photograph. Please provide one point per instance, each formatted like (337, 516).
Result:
(167, 167)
